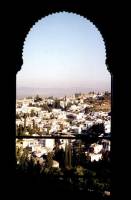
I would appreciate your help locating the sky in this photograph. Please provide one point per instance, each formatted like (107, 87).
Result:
(64, 50)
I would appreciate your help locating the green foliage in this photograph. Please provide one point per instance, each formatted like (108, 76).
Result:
(37, 98)
(18, 116)
(49, 159)
(32, 113)
(20, 130)
(79, 170)
(57, 104)
(46, 107)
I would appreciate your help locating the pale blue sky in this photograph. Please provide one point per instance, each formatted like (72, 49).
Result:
(64, 50)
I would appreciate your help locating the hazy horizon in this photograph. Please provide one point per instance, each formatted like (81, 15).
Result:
(63, 52)
(23, 92)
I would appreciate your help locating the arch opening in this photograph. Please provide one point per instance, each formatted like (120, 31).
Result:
(70, 94)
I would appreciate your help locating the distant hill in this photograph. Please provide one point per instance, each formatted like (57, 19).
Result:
(22, 92)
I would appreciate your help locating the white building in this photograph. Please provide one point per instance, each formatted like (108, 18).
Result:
(55, 164)
(107, 126)
(97, 147)
(50, 144)
(95, 157)
(64, 142)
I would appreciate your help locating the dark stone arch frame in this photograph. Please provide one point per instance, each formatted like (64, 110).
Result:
(101, 20)
(93, 19)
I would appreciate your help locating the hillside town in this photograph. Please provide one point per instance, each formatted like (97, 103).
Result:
(64, 116)
(81, 114)
(63, 133)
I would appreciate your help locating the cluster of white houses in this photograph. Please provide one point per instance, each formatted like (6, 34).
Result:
(58, 120)
(70, 121)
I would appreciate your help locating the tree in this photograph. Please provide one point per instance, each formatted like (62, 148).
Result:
(25, 116)
(20, 130)
(17, 116)
(49, 159)
(59, 156)
(30, 130)
(46, 107)
(32, 113)
(30, 104)
(18, 153)
(96, 129)
(87, 110)
(37, 98)
(69, 104)
(57, 104)
(24, 160)
(33, 124)
(107, 95)
(79, 170)
(68, 156)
